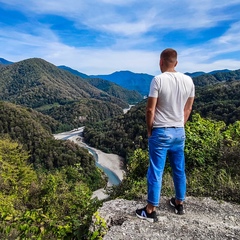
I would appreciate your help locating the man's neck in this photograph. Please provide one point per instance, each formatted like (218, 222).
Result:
(169, 70)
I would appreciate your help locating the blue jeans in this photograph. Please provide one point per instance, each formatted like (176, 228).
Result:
(165, 141)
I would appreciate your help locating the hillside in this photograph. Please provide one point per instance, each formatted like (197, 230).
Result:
(35, 83)
(219, 101)
(33, 131)
(130, 96)
(120, 134)
(73, 71)
(40, 85)
(82, 112)
(197, 74)
(46, 184)
(217, 77)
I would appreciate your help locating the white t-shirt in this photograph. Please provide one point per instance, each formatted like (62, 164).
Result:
(172, 90)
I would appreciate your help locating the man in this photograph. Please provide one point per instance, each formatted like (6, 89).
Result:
(169, 105)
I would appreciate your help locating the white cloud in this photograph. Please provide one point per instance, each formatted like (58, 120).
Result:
(195, 66)
(105, 61)
(155, 14)
(231, 36)
(136, 28)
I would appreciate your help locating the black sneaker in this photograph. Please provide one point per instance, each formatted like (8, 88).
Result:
(178, 208)
(143, 214)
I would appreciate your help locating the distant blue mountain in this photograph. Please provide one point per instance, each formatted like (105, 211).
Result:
(5, 62)
(129, 80)
(195, 74)
(219, 71)
(141, 81)
(75, 72)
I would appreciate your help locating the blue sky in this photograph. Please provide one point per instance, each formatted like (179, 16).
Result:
(104, 36)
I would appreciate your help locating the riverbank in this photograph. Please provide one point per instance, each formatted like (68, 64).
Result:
(113, 162)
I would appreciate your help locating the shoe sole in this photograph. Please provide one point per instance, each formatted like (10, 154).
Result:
(152, 220)
(171, 204)
(176, 211)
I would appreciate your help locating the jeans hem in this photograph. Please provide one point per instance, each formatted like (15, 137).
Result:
(152, 203)
(180, 199)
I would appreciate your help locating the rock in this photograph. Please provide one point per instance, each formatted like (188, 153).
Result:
(204, 219)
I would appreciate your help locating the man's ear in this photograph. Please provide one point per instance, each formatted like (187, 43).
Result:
(161, 62)
(176, 64)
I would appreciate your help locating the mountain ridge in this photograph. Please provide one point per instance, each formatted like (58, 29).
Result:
(25, 81)
(76, 72)
(130, 80)
(5, 62)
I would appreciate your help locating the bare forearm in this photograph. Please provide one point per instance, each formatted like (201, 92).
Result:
(149, 121)
(188, 109)
(150, 112)
(186, 115)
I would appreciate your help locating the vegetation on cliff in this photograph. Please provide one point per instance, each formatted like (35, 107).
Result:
(46, 184)
(212, 164)
(212, 153)
(42, 204)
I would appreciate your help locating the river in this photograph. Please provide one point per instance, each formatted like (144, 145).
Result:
(114, 175)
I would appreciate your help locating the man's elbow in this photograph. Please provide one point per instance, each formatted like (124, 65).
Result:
(189, 109)
(150, 110)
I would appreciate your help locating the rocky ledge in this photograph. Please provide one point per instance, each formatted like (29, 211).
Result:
(204, 219)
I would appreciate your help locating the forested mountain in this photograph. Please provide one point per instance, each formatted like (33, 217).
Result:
(35, 83)
(121, 134)
(33, 131)
(219, 101)
(46, 184)
(73, 71)
(130, 96)
(217, 77)
(68, 98)
(82, 112)
(139, 82)
(197, 74)
(217, 95)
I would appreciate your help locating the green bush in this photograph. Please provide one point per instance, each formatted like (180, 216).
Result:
(212, 164)
(41, 205)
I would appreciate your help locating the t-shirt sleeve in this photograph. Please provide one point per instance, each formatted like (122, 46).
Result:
(154, 88)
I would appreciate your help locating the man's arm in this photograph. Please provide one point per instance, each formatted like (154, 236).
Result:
(150, 112)
(188, 109)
